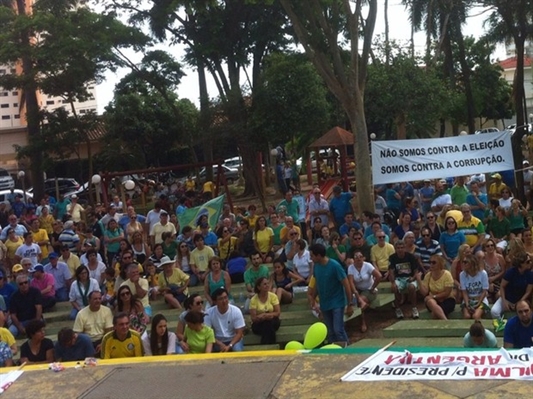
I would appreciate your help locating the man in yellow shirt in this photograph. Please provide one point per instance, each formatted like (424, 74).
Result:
(208, 190)
(122, 342)
(40, 237)
(200, 257)
(72, 260)
(380, 253)
(495, 189)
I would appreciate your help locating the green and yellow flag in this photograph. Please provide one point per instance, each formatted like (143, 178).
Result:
(212, 209)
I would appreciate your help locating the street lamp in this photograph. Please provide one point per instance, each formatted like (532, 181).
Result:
(21, 174)
(373, 136)
(463, 133)
(96, 180)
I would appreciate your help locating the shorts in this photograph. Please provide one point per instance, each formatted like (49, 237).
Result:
(447, 306)
(369, 295)
(403, 283)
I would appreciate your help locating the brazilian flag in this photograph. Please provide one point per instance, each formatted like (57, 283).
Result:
(212, 209)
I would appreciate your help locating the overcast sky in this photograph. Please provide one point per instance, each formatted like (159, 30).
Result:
(399, 27)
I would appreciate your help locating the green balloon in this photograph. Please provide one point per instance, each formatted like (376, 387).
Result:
(331, 346)
(293, 345)
(315, 335)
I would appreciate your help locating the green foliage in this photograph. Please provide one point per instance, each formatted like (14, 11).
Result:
(403, 90)
(293, 92)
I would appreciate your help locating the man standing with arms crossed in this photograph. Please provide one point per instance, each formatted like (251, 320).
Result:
(335, 295)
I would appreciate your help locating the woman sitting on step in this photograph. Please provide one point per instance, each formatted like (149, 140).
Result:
(437, 288)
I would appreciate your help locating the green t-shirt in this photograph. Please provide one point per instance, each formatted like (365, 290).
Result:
(277, 233)
(198, 340)
(251, 275)
(331, 253)
(459, 195)
(500, 229)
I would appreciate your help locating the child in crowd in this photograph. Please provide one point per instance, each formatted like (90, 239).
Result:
(109, 287)
(153, 280)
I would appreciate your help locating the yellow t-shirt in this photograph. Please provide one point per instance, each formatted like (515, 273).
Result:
(12, 247)
(495, 192)
(380, 256)
(189, 185)
(110, 287)
(73, 262)
(144, 285)
(113, 348)
(252, 220)
(92, 323)
(46, 223)
(440, 285)
(6, 336)
(264, 307)
(178, 278)
(263, 238)
(42, 235)
(283, 234)
(201, 258)
(225, 249)
(209, 187)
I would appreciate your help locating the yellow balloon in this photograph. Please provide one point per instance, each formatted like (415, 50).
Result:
(315, 335)
(293, 345)
(331, 346)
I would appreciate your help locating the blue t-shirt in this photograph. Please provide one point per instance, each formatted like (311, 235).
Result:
(6, 292)
(236, 265)
(518, 335)
(426, 192)
(392, 202)
(328, 284)
(82, 348)
(211, 239)
(345, 228)
(471, 200)
(516, 284)
(340, 206)
(450, 243)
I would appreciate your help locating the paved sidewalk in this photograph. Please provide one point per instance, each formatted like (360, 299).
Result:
(272, 376)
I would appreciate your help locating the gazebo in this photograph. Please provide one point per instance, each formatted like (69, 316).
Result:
(335, 138)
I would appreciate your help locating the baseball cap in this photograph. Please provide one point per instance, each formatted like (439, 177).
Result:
(68, 224)
(53, 255)
(496, 176)
(525, 162)
(74, 196)
(37, 268)
(17, 268)
(163, 213)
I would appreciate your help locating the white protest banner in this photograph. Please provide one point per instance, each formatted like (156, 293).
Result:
(407, 160)
(460, 365)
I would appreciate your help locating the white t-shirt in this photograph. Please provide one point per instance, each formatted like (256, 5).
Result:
(225, 324)
(363, 279)
(152, 218)
(29, 251)
(441, 200)
(171, 347)
(84, 261)
(302, 264)
(474, 285)
(97, 273)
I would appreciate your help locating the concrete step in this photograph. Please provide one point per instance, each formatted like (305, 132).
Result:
(273, 347)
(432, 328)
(457, 314)
(283, 335)
(404, 342)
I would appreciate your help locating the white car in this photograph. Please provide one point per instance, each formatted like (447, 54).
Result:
(5, 194)
(487, 130)
(6, 180)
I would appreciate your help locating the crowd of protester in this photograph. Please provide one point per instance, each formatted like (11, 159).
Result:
(466, 244)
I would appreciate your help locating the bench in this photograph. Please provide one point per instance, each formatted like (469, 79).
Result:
(432, 328)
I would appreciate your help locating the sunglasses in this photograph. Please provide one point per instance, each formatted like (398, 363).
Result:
(433, 262)
(23, 283)
(125, 293)
(381, 237)
(489, 246)
(426, 235)
(431, 217)
(199, 303)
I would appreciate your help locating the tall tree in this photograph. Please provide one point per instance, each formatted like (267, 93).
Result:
(322, 28)
(62, 48)
(512, 21)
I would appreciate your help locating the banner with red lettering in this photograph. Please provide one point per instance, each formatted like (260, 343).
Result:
(460, 365)
(407, 160)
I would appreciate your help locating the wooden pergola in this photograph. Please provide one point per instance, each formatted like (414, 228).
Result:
(335, 138)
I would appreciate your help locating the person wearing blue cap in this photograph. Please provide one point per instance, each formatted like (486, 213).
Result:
(62, 276)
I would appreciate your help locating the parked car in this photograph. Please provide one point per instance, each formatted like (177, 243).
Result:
(65, 184)
(6, 180)
(4, 195)
(487, 130)
(233, 163)
(512, 128)
(231, 174)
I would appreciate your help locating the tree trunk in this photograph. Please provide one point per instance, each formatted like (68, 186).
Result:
(466, 79)
(518, 98)
(205, 120)
(32, 112)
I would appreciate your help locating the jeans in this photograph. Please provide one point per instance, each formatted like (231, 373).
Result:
(62, 294)
(237, 347)
(14, 330)
(193, 279)
(73, 314)
(334, 321)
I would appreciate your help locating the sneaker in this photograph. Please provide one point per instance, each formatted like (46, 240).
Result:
(415, 313)
(399, 313)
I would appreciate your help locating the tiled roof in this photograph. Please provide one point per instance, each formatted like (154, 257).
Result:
(510, 63)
